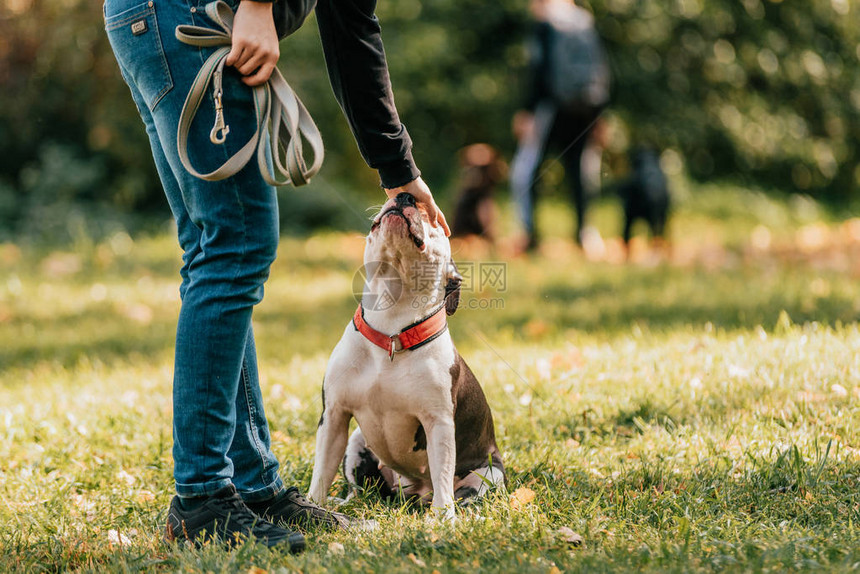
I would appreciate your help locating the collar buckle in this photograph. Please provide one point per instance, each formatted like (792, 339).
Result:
(393, 350)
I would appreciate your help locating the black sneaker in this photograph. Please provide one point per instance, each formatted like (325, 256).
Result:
(290, 508)
(224, 517)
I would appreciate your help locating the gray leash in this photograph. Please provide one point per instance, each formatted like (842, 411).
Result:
(276, 105)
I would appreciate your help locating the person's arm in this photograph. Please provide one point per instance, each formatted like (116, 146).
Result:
(352, 43)
(358, 71)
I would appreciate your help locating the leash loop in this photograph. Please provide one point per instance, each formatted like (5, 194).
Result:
(283, 124)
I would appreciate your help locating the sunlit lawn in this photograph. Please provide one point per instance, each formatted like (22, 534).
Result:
(694, 415)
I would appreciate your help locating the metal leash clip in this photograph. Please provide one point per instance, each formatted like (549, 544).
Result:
(220, 129)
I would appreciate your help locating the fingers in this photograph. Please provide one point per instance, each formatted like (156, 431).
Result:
(256, 64)
(234, 55)
(444, 223)
(255, 49)
(252, 60)
(424, 196)
(436, 217)
(261, 76)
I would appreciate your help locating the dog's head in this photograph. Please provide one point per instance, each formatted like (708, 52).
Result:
(482, 167)
(402, 237)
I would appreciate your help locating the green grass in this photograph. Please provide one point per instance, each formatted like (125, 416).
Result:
(694, 417)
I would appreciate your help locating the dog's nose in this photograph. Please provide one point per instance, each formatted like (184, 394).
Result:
(404, 200)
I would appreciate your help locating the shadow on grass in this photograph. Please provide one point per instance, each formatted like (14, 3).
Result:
(94, 335)
(602, 301)
(611, 301)
(109, 336)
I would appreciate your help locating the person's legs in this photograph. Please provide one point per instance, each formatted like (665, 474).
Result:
(256, 468)
(229, 233)
(572, 160)
(524, 169)
(572, 134)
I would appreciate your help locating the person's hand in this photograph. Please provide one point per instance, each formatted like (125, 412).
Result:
(422, 194)
(523, 125)
(255, 49)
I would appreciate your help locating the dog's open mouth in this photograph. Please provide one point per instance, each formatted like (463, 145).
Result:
(413, 224)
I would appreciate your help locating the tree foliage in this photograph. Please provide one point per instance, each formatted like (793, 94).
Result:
(766, 90)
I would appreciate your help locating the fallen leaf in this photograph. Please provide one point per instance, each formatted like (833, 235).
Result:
(570, 536)
(115, 537)
(536, 328)
(335, 547)
(521, 497)
(568, 361)
(145, 496)
(417, 561)
(257, 570)
(125, 477)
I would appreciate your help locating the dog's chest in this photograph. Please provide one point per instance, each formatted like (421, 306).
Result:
(392, 398)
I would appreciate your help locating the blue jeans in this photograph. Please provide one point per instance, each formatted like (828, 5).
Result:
(568, 132)
(228, 231)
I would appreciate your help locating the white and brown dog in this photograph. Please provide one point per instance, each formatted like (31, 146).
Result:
(424, 424)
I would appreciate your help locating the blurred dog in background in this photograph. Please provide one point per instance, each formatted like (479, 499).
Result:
(645, 195)
(475, 212)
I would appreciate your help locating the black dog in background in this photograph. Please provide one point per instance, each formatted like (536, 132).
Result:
(645, 195)
(475, 213)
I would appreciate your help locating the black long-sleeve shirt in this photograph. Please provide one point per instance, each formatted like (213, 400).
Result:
(537, 87)
(358, 70)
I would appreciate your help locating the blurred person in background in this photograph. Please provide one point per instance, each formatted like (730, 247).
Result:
(226, 476)
(567, 89)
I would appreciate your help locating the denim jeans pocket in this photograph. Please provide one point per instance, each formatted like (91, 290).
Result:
(136, 42)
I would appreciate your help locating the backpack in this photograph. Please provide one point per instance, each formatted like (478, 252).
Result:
(578, 71)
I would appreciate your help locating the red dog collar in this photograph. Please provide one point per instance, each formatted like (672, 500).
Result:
(411, 337)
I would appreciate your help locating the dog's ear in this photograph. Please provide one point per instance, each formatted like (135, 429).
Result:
(452, 289)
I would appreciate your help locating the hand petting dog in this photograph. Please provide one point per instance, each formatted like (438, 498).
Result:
(423, 196)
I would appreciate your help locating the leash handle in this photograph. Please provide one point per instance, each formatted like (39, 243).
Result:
(278, 112)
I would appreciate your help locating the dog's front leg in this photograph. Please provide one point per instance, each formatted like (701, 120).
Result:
(442, 457)
(332, 435)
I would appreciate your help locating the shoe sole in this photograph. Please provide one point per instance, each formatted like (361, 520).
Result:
(297, 543)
